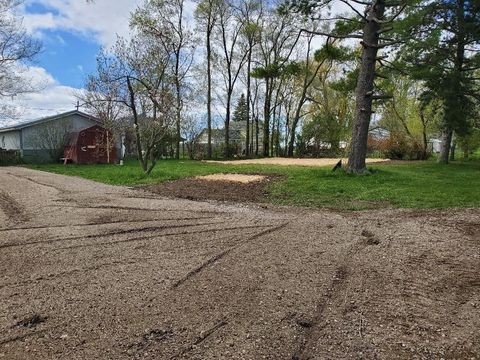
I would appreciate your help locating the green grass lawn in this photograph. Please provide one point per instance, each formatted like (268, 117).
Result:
(413, 185)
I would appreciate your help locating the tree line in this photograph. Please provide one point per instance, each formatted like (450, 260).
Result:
(299, 75)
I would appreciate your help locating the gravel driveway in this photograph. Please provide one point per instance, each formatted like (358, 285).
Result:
(91, 271)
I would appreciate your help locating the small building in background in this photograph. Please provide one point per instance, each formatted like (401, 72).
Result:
(92, 145)
(238, 137)
(435, 145)
(42, 140)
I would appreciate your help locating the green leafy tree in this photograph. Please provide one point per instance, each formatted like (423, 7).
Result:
(443, 52)
(408, 116)
(278, 39)
(371, 25)
(165, 22)
(330, 114)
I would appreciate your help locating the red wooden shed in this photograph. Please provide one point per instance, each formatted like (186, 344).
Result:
(93, 145)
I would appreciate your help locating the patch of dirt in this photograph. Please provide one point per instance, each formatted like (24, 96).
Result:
(239, 178)
(293, 161)
(249, 189)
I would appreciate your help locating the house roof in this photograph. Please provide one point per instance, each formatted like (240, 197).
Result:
(29, 123)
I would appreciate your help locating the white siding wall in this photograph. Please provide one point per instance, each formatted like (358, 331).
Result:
(10, 140)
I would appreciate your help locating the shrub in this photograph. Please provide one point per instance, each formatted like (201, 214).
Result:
(397, 147)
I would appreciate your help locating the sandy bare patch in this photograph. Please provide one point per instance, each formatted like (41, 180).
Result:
(240, 178)
(293, 162)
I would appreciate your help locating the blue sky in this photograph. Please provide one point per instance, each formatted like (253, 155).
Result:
(72, 32)
(68, 57)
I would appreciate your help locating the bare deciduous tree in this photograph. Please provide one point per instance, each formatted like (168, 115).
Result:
(165, 22)
(138, 75)
(16, 49)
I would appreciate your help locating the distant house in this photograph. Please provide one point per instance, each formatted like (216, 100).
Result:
(379, 133)
(43, 139)
(238, 136)
(435, 145)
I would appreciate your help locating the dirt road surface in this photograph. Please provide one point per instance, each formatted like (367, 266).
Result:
(90, 271)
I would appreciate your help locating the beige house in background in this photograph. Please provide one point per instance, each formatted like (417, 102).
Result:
(238, 135)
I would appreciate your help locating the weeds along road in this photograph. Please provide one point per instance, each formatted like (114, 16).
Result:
(91, 271)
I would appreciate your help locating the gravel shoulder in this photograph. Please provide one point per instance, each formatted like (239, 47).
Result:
(91, 271)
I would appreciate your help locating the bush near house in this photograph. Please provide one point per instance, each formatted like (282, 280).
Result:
(9, 157)
(397, 147)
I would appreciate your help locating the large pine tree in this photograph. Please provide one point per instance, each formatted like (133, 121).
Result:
(371, 22)
(241, 110)
(444, 53)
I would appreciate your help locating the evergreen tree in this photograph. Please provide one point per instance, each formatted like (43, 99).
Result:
(372, 25)
(241, 111)
(444, 53)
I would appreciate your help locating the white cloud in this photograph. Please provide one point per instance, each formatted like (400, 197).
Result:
(53, 98)
(102, 20)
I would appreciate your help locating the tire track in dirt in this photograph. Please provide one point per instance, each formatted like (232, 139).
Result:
(36, 182)
(222, 254)
(312, 332)
(21, 337)
(70, 272)
(14, 211)
(106, 234)
(96, 267)
(316, 326)
(93, 223)
(132, 208)
(200, 339)
(188, 279)
(152, 237)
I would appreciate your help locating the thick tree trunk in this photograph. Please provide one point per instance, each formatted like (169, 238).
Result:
(365, 87)
(209, 91)
(293, 131)
(446, 144)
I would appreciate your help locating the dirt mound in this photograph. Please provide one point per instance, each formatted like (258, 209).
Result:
(220, 187)
(240, 178)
